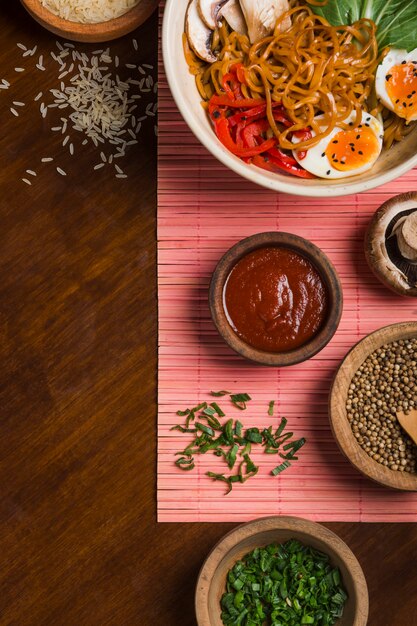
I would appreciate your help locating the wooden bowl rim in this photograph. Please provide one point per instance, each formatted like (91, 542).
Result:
(333, 542)
(305, 248)
(339, 423)
(112, 29)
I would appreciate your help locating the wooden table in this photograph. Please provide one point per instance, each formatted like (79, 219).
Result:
(79, 540)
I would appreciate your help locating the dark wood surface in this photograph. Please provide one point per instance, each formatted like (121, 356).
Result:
(79, 541)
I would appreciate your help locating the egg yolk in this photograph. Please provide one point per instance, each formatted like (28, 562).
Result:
(352, 149)
(401, 85)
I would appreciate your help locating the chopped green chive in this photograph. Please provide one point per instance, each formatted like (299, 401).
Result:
(280, 468)
(240, 400)
(218, 410)
(228, 440)
(283, 585)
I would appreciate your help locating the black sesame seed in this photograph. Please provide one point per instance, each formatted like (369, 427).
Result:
(360, 152)
(335, 141)
(410, 95)
(324, 154)
(404, 104)
(329, 172)
(358, 136)
(388, 76)
(397, 101)
(404, 63)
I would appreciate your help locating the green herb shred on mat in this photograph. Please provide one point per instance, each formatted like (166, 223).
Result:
(231, 441)
(290, 584)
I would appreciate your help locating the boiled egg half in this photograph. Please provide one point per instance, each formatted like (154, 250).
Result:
(396, 83)
(343, 152)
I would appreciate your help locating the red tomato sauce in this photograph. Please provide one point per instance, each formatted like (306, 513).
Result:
(275, 299)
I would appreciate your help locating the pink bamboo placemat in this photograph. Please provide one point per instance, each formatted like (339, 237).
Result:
(203, 209)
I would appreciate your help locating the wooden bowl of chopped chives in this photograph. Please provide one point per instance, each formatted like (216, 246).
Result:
(94, 31)
(281, 569)
(377, 379)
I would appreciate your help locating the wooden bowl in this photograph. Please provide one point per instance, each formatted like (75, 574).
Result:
(212, 579)
(325, 269)
(338, 414)
(93, 33)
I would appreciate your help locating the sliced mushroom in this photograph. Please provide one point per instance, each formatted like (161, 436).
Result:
(261, 17)
(407, 237)
(199, 36)
(208, 10)
(232, 13)
(391, 244)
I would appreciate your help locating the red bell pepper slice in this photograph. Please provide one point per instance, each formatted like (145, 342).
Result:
(239, 70)
(258, 113)
(223, 133)
(231, 85)
(242, 103)
(272, 165)
(282, 156)
(304, 134)
(279, 116)
(253, 131)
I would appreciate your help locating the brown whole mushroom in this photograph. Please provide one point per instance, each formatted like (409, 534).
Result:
(391, 244)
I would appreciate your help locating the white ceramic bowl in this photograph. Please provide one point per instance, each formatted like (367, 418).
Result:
(392, 163)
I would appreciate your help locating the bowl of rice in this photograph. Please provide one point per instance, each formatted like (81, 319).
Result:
(91, 21)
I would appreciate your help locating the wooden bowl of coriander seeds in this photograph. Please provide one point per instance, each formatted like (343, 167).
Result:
(377, 379)
(87, 21)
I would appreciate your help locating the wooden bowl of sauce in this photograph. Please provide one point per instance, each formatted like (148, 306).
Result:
(276, 299)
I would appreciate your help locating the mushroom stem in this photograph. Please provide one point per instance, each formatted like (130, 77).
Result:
(406, 233)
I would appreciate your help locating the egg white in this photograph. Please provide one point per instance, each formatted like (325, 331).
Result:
(315, 163)
(394, 57)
